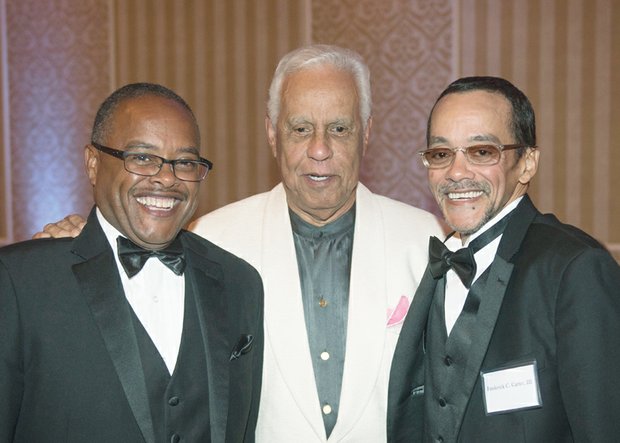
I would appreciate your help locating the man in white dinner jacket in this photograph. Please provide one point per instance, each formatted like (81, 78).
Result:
(339, 263)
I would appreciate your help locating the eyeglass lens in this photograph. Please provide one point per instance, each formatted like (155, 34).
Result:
(478, 155)
(146, 164)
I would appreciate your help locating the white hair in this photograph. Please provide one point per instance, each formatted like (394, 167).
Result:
(320, 55)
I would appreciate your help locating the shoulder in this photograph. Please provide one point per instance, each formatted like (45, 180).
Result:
(231, 214)
(561, 238)
(396, 213)
(212, 252)
(30, 252)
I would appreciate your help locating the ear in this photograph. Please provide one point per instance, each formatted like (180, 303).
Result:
(91, 162)
(271, 135)
(366, 136)
(530, 165)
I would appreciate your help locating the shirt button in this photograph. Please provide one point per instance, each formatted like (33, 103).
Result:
(173, 401)
(324, 355)
(175, 438)
(442, 402)
(327, 409)
(322, 302)
(448, 360)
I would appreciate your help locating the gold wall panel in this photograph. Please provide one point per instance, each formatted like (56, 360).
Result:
(563, 55)
(220, 56)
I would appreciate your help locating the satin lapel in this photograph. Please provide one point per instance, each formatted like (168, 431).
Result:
(492, 296)
(286, 339)
(368, 304)
(409, 354)
(204, 278)
(100, 284)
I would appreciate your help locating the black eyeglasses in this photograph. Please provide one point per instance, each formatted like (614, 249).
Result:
(482, 155)
(141, 163)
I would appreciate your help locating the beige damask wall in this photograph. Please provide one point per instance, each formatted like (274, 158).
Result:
(408, 46)
(60, 58)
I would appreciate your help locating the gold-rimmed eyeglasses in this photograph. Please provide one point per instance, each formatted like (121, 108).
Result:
(487, 154)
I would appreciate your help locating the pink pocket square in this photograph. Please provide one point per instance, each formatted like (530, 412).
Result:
(397, 315)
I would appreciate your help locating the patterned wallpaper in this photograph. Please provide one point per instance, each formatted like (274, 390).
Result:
(57, 62)
(408, 47)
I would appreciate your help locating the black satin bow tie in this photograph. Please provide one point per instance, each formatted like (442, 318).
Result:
(462, 261)
(441, 259)
(133, 257)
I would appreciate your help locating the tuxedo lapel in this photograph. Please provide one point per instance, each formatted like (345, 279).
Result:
(406, 389)
(101, 286)
(204, 278)
(410, 347)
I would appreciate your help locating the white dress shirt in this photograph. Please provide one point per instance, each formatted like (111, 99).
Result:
(456, 292)
(157, 296)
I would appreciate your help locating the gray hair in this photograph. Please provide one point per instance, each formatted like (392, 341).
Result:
(320, 55)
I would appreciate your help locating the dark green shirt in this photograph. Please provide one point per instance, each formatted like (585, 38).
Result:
(324, 262)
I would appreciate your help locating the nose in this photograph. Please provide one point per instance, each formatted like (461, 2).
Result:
(460, 167)
(165, 176)
(319, 148)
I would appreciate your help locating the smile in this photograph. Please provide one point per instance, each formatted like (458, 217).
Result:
(318, 178)
(464, 195)
(157, 202)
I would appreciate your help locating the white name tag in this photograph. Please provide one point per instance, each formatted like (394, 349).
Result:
(511, 389)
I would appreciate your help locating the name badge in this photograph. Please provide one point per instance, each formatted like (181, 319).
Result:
(511, 388)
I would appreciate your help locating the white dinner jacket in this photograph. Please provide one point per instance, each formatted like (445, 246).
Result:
(390, 250)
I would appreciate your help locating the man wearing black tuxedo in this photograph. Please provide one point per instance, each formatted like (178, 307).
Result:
(136, 330)
(514, 337)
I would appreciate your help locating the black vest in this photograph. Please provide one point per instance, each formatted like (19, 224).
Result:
(446, 363)
(179, 403)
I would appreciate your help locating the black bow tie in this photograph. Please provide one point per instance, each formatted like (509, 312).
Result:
(133, 257)
(441, 259)
(462, 261)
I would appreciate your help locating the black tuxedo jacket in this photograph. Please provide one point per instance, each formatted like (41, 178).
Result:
(70, 369)
(553, 295)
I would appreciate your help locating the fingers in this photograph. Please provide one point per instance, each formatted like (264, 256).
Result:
(70, 226)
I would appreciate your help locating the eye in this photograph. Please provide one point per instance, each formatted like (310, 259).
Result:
(302, 129)
(141, 159)
(483, 153)
(338, 129)
(185, 165)
(439, 154)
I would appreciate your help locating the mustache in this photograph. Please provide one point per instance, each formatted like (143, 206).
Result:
(464, 185)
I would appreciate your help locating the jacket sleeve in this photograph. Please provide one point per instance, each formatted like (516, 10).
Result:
(11, 367)
(588, 345)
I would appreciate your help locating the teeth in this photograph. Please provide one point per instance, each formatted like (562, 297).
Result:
(464, 195)
(318, 178)
(157, 202)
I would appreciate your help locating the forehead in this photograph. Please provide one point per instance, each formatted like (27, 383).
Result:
(472, 115)
(153, 115)
(318, 92)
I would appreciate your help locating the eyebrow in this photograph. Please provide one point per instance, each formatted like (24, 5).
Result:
(150, 146)
(476, 138)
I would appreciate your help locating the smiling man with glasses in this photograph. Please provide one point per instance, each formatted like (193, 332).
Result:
(514, 332)
(136, 330)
